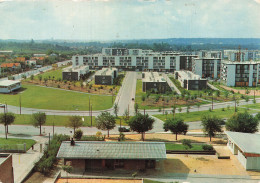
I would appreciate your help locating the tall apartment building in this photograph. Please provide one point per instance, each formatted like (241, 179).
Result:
(242, 55)
(208, 54)
(240, 73)
(207, 67)
(135, 59)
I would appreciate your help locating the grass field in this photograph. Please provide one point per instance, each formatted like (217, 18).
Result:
(196, 116)
(151, 181)
(14, 141)
(180, 147)
(56, 99)
(26, 119)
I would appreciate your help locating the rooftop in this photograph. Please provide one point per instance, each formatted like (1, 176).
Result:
(152, 77)
(75, 69)
(247, 142)
(10, 64)
(244, 62)
(3, 157)
(105, 71)
(8, 82)
(188, 75)
(112, 150)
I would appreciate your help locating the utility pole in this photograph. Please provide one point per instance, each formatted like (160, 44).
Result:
(91, 115)
(20, 104)
(89, 104)
(212, 102)
(112, 96)
(53, 127)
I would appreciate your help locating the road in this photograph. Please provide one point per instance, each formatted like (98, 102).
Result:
(126, 93)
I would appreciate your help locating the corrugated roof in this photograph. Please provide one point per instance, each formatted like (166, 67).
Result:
(112, 150)
(247, 142)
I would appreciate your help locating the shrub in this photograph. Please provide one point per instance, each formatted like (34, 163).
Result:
(121, 137)
(207, 147)
(210, 110)
(78, 134)
(223, 109)
(58, 86)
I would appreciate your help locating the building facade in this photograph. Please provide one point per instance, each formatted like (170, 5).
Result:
(6, 168)
(241, 74)
(153, 82)
(106, 76)
(190, 81)
(74, 73)
(8, 86)
(207, 67)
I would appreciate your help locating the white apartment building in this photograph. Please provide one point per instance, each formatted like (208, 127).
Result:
(240, 73)
(207, 67)
(242, 56)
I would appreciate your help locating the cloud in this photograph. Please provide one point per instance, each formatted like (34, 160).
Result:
(257, 1)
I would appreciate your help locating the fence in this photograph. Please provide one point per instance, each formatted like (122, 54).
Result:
(12, 148)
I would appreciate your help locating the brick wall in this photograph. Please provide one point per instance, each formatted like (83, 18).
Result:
(6, 169)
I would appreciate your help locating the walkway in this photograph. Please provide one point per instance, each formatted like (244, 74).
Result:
(170, 83)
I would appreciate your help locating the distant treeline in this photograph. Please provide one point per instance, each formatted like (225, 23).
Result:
(174, 44)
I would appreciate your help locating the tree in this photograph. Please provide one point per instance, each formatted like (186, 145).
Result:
(211, 125)
(105, 121)
(176, 126)
(126, 115)
(38, 119)
(32, 77)
(179, 109)
(78, 134)
(74, 122)
(143, 98)
(187, 144)
(116, 109)
(243, 122)
(173, 110)
(40, 77)
(141, 123)
(7, 119)
(136, 106)
(198, 105)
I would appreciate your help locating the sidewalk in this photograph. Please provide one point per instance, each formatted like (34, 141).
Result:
(23, 163)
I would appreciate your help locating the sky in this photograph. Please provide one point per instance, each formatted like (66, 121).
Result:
(128, 19)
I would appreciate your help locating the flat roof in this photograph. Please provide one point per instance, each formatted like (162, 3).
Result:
(239, 63)
(8, 82)
(3, 157)
(247, 142)
(188, 75)
(112, 150)
(152, 77)
(75, 69)
(105, 71)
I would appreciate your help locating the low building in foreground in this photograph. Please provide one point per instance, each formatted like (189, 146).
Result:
(152, 81)
(106, 76)
(246, 147)
(190, 81)
(74, 73)
(7, 86)
(6, 168)
(88, 155)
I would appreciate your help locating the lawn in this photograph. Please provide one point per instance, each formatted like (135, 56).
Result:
(166, 100)
(56, 99)
(14, 141)
(196, 116)
(180, 147)
(151, 181)
(26, 119)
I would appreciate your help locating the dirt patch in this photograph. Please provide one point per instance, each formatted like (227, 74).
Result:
(197, 164)
(98, 181)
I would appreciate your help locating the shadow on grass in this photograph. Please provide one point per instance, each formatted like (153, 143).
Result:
(20, 90)
(20, 135)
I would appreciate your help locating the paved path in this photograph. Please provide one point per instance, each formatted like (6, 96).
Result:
(23, 163)
(170, 83)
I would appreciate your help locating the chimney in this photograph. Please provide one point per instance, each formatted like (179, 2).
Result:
(72, 142)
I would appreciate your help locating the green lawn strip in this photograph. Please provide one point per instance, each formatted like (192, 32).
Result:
(26, 119)
(15, 141)
(252, 106)
(180, 147)
(196, 116)
(49, 98)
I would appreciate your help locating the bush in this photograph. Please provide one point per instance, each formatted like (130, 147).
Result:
(121, 137)
(210, 110)
(46, 162)
(92, 138)
(207, 147)
(78, 134)
(123, 129)
(58, 86)
(223, 109)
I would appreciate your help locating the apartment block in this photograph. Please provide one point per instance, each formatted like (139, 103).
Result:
(74, 73)
(190, 81)
(240, 73)
(207, 67)
(106, 76)
(152, 81)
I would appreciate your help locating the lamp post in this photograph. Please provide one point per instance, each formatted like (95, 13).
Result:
(91, 115)
(20, 101)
